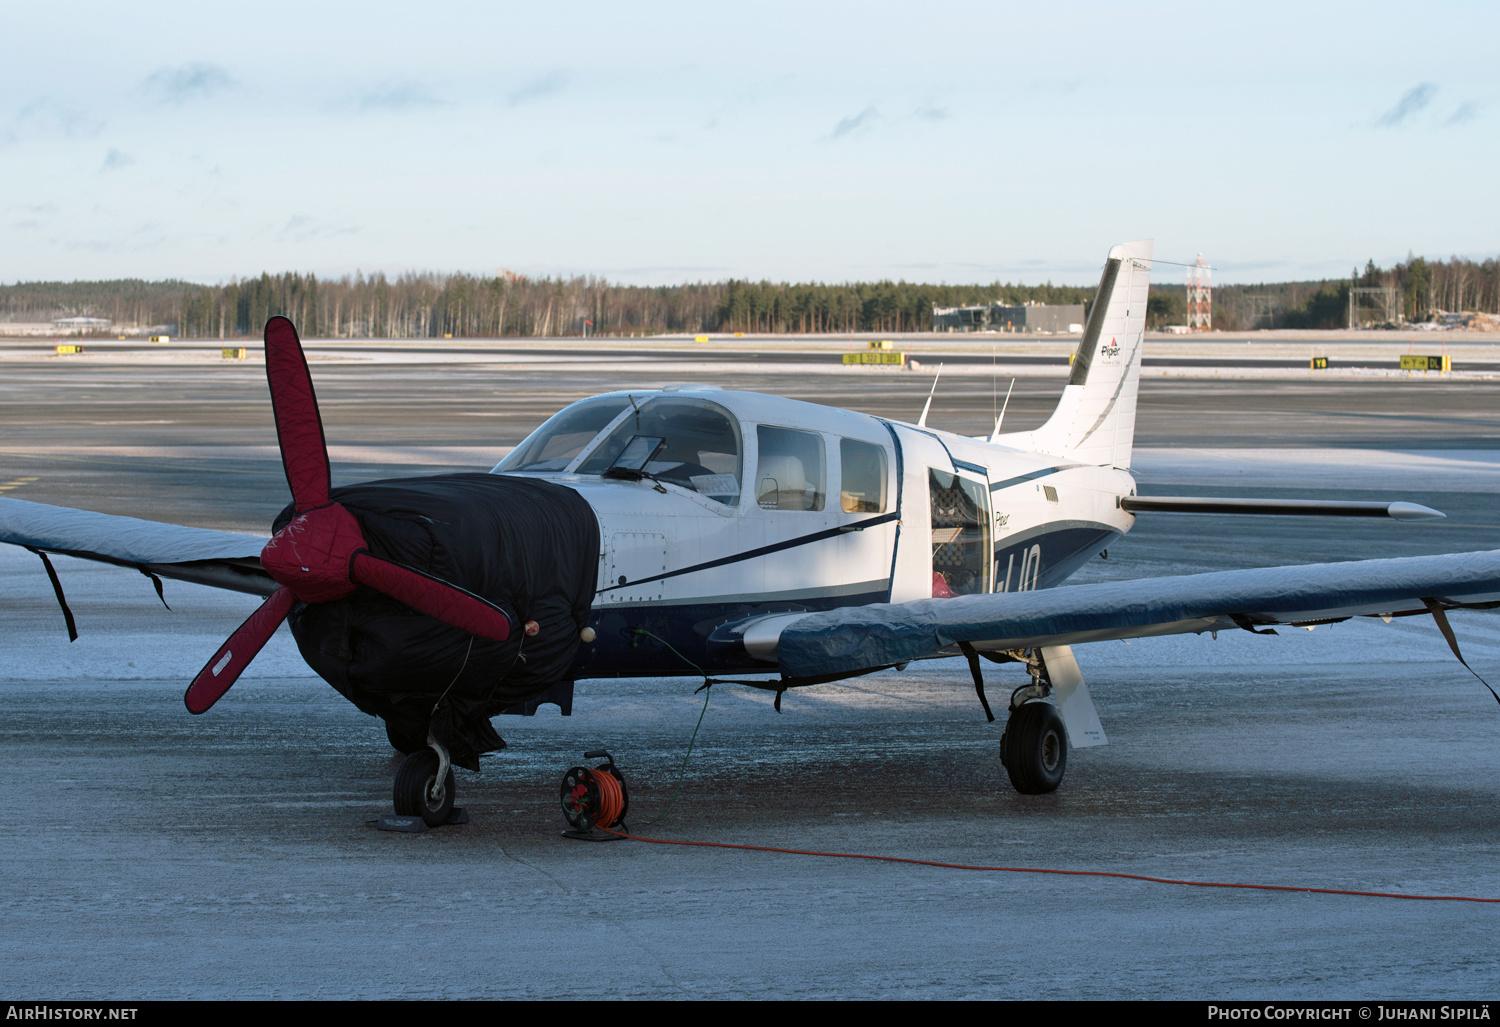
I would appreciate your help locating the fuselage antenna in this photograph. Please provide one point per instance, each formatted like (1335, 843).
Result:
(922, 421)
(996, 433)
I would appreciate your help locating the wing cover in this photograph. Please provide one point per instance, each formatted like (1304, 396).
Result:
(219, 558)
(855, 638)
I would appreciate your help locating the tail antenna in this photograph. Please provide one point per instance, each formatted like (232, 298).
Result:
(999, 420)
(922, 421)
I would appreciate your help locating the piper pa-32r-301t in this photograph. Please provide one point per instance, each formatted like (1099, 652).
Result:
(658, 532)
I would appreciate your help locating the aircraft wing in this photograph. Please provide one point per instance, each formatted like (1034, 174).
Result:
(219, 558)
(851, 639)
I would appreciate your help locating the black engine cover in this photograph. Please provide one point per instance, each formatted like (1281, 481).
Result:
(529, 546)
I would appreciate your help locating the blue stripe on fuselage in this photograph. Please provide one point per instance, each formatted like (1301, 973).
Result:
(996, 486)
(1048, 554)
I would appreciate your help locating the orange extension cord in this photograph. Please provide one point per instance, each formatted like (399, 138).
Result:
(1021, 870)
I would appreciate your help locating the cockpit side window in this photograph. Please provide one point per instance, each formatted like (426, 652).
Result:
(700, 451)
(554, 445)
(790, 474)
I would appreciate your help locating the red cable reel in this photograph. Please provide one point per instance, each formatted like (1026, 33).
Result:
(594, 796)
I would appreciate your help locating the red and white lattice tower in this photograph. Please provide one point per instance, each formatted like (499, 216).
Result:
(1200, 293)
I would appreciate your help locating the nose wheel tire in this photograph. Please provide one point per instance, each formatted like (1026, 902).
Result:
(416, 794)
(1034, 748)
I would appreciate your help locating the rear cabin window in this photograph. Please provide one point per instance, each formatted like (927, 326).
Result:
(862, 477)
(790, 474)
(700, 448)
(554, 445)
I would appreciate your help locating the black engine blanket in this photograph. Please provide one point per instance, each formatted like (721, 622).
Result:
(528, 546)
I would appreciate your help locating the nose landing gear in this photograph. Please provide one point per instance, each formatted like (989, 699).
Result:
(424, 792)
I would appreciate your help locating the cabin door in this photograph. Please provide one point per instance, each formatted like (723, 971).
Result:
(960, 513)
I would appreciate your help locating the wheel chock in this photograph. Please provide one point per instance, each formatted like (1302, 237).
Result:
(416, 825)
(401, 823)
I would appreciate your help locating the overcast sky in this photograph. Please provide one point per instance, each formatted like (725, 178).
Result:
(658, 143)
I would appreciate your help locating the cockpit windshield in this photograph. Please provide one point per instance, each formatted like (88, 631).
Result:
(700, 448)
(554, 445)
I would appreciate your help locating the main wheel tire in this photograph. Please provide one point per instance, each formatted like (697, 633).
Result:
(413, 790)
(404, 743)
(1034, 748)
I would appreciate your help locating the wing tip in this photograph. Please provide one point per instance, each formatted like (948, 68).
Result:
(1414, 512)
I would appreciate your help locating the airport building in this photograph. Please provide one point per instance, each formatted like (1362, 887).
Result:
(1046, 318)
(79, 325)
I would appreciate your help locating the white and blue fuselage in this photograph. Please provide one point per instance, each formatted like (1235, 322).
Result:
(751, 505)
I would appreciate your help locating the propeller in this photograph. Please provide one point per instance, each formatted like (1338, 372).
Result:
(320, 555)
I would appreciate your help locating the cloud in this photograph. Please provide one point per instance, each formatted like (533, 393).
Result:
(537, 88)
(399, 96)
(1412, 102)
(194, 81)
(853, 123)
(931, 113)
(1467, 112)
(46, 116)
(115, 159)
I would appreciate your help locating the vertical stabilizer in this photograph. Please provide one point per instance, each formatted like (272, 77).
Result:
(1094, 422)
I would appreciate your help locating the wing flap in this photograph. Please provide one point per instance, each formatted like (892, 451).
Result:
(219, 558)
(854, 638)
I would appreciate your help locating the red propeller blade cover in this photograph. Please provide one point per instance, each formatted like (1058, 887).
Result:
(224, 668)
(299, 429)
(311, 554)
(433, 596)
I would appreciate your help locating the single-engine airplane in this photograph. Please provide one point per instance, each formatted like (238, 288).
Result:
(692, 529)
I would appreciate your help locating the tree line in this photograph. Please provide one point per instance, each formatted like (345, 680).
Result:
(1423, 289)
(471, 306)
(414, 306)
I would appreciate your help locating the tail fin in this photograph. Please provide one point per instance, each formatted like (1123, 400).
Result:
(1094, 421)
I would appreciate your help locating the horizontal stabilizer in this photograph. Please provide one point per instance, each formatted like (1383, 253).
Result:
(1293, 507)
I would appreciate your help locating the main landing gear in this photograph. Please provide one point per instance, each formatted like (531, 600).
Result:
(1034, 747)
